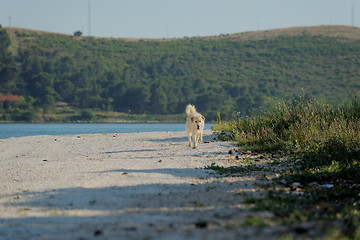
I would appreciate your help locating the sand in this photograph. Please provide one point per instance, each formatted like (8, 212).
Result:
(122, 186)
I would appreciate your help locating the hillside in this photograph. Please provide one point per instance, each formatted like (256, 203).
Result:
(227, 73)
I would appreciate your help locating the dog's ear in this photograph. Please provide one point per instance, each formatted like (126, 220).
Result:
(192, 119)
(203, 118)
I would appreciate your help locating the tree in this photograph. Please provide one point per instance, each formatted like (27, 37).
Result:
(8, 77)
(38, 84)
(48, 100)
(8, 67)
(78, 33)
(4, 43)
(158, 100)
(136, 99)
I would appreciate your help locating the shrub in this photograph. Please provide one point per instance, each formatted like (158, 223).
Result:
(86, 115)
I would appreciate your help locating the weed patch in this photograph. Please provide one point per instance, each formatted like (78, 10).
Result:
(232, 170)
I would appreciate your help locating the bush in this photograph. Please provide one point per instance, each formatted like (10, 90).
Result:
(86, 115)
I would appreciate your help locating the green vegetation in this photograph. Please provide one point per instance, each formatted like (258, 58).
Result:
(226, 171)
(323, 143)
(300, 128)
(229, 74)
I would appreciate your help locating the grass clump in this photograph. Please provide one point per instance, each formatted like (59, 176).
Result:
(232, 170)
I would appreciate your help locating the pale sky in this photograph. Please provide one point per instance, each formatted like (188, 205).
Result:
(174, 18)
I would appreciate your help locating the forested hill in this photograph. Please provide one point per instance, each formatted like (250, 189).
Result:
(226, 73)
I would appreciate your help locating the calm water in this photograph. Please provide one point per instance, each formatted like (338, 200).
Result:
(8, 130)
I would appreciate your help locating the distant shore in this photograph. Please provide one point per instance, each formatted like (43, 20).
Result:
(88, 116)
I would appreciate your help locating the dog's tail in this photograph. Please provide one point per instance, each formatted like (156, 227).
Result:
(190, 109)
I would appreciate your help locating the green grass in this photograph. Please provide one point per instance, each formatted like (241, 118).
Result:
(300, 128)
(323, 145)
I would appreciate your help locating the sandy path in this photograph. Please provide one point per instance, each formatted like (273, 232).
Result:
(120, 186)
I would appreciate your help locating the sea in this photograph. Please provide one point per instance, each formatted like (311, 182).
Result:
(8, 130)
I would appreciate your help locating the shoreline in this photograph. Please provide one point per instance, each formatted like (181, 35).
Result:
(94, 121)
(32, 129)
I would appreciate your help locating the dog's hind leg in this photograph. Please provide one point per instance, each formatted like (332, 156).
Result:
(189, 140)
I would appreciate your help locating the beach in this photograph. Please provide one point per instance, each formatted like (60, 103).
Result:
(122, 186)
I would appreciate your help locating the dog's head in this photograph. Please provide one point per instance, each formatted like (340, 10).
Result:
(199, 121)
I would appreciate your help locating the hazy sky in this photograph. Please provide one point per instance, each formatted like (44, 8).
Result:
(174, 18)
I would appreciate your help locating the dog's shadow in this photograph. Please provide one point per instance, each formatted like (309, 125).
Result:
(134, 151)
(173, 139)
(206, 138)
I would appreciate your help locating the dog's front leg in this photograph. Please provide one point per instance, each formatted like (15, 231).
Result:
(200, 139)
(196, 141)
(189, 140)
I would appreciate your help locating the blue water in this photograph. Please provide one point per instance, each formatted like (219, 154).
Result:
(8, 130)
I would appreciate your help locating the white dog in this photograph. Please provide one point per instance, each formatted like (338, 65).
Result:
(194, 125)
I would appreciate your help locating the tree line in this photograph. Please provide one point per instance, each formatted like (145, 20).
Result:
(217, 74)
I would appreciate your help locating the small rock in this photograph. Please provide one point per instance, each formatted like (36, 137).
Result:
(298, 160)
(201, 224)
(295, 185)
(131, 228)
(313, 184)
(301, 230)
(97, 233)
